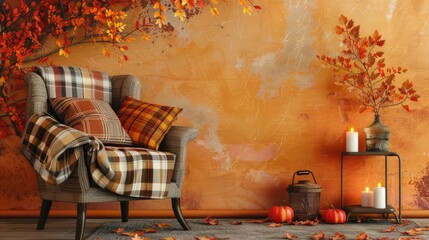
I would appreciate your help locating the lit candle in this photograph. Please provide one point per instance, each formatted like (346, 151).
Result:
(352, 141)
(367, 198)
(379, 196)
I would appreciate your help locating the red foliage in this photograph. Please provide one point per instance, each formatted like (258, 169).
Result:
(365, 72)
(26, 25)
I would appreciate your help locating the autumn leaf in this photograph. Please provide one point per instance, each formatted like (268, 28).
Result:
(290, 236)
(163, 225)
(383, 238)
(149, 230)
(389, 229)
(132, 234)
(307, 222)
(208, 220)
(318, 236)
(338, 236)
(413, 232)
(247, 10)
(118, 230)
(168, 238)
(208, 238)
(214, 11)
(362, 236)
(272, 225)
(137, 237)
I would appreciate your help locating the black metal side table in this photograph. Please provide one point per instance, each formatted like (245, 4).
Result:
(357, 209)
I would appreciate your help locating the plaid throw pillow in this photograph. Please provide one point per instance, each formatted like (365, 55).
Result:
(146, 123)
(94, 117)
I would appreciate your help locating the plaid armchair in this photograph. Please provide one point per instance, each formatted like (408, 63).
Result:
(55, 82)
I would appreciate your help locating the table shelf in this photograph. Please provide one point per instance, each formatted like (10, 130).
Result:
(357, 209)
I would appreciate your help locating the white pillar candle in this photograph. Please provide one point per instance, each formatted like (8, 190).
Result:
(352, 141)
(379, 196)
(367, 198)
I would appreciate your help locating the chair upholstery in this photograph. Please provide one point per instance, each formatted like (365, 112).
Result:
(79, 187)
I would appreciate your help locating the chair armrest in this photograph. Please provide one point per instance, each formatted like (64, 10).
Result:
(176, 142)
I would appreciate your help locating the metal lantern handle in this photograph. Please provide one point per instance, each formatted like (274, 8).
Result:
(303, 172)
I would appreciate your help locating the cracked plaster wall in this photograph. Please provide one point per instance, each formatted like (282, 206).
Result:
(264, 106)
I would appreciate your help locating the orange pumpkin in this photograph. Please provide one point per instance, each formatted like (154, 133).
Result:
(334, 216)
(281, 214)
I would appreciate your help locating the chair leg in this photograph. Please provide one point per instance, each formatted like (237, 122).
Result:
(81, 218)
(175, 202)
(44, 212)
(124, 210)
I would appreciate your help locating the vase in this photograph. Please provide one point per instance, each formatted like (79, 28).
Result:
(377, 136)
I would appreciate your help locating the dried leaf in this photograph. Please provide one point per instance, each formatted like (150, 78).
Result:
(290, 236)
(271, 225)
(118, 230)
(338, 236)
(208, 238)
(362, 236)
(168, 238)
(307, 222)
(318, 236)
(149, 230)
(208, 220)
(413, 232)
(132, 234)
(163, 225)
(389, 229)
(383, 238)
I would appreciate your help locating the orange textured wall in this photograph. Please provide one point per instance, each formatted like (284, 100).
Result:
(264, 105)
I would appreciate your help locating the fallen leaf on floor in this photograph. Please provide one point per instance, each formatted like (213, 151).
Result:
(307, 222)
(362, 236)
(271, 225)
(211, 221)
(209, 238)
(389, 229)
(168, 238)
(132, 234)
(149, 230)
(290, 236)
(259, 220)
(410, 238)
(338, 236)
(383, 238)
(118, 230)
(136, 237)
(318, 236)
(413, 232)
(235, 222)
(163, 225)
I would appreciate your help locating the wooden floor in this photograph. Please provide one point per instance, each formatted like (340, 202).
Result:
(63, 229)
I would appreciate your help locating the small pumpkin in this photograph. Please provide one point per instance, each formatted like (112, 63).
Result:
(334, 216)
(281, 214)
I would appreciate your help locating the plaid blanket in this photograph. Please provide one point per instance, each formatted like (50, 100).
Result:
(54, 149)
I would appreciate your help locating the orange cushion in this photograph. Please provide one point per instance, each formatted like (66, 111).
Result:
(146, 123)
(94, 117)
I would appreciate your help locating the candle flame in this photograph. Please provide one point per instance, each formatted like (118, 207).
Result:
(367, 189)
(379, 184)
(352, 129)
